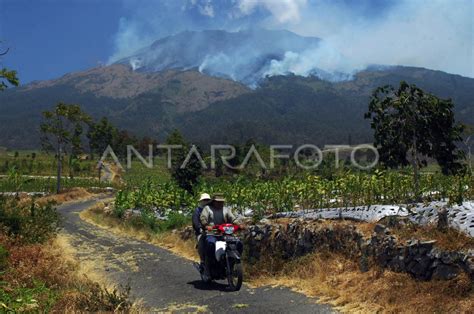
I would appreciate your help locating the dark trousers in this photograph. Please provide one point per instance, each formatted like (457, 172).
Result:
(202, 247)
(209, 249)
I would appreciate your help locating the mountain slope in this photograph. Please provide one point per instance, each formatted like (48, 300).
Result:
(297, 110)
(284, 109)
(135, 101)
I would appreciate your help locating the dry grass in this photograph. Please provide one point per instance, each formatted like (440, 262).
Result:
(451, 239)
(74, 194)
(55, 281)
(338, 281)
(169, 240)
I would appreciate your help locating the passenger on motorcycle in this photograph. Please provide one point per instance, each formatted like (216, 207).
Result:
(204, 200)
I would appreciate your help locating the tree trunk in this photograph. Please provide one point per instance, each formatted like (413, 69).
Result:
(99, 171)
(58, 179)
(416, 175)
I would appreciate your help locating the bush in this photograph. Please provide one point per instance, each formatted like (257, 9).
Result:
(175, 221)
(94, 298)
(148, 221)
(30, 223)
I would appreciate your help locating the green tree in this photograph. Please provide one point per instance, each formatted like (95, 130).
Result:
(186, 177)
(7, 76)
(101, 135)
(60, 131)
(411, 125)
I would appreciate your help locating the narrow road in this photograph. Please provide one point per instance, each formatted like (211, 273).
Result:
(165, 281)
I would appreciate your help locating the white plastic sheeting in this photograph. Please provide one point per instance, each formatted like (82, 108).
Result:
(371, 213)
(460, 217)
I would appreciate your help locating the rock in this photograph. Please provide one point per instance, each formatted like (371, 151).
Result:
(425, 247)
(445, 272)
(381, 229)
(265, 221)
(187, 233)
(397, 264)
(107, 210)
(443, 223)
(248, 212)
(364, 263)
(448, 257)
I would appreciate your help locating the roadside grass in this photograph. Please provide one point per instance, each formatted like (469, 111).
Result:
(35, 273)
(74, 194)
(40, 278)
(337, 280)
(166, 237)
(449, 239)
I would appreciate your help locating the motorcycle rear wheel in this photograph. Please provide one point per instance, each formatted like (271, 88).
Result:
(235, 277)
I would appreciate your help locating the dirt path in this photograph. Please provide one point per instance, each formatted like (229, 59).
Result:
(165, 281)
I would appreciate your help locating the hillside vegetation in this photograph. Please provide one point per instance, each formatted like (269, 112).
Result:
(284, 109)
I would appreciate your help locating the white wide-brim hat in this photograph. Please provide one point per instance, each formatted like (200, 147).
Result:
(205, 197)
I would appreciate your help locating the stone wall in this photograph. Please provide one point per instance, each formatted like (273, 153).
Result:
(423, 260)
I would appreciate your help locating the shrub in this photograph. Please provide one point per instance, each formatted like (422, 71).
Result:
(175, 221)
(91, 297)
(30, 223)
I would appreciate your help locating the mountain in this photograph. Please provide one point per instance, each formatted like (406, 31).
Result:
(298, 110)
(211, 85)
(282, 110)
(133, 100)
(242, 56)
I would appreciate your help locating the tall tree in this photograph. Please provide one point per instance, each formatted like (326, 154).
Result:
(7, 76)
(187, 176)
(60, 130)
(101, 135)
(411, 125)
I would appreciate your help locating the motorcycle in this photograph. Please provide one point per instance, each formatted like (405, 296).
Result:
(226, 261)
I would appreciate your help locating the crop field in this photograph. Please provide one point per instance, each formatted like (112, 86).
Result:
(39, 163)
(311, 191)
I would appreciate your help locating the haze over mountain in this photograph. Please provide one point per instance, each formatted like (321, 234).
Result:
(223, 87)
(245, 56)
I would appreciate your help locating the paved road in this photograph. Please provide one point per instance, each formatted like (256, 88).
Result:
(165, 281)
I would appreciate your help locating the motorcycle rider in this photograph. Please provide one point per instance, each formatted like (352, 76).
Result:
(204, 200)
(213, 214)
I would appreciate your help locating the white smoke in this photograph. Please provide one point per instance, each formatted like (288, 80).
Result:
(325, 61)
(283, 10)
(135, 63)
(216, 63)
(435, 34)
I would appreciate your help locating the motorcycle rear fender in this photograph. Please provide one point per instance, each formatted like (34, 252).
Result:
(220, 249)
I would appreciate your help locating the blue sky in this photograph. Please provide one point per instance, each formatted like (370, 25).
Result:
(49, 38)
